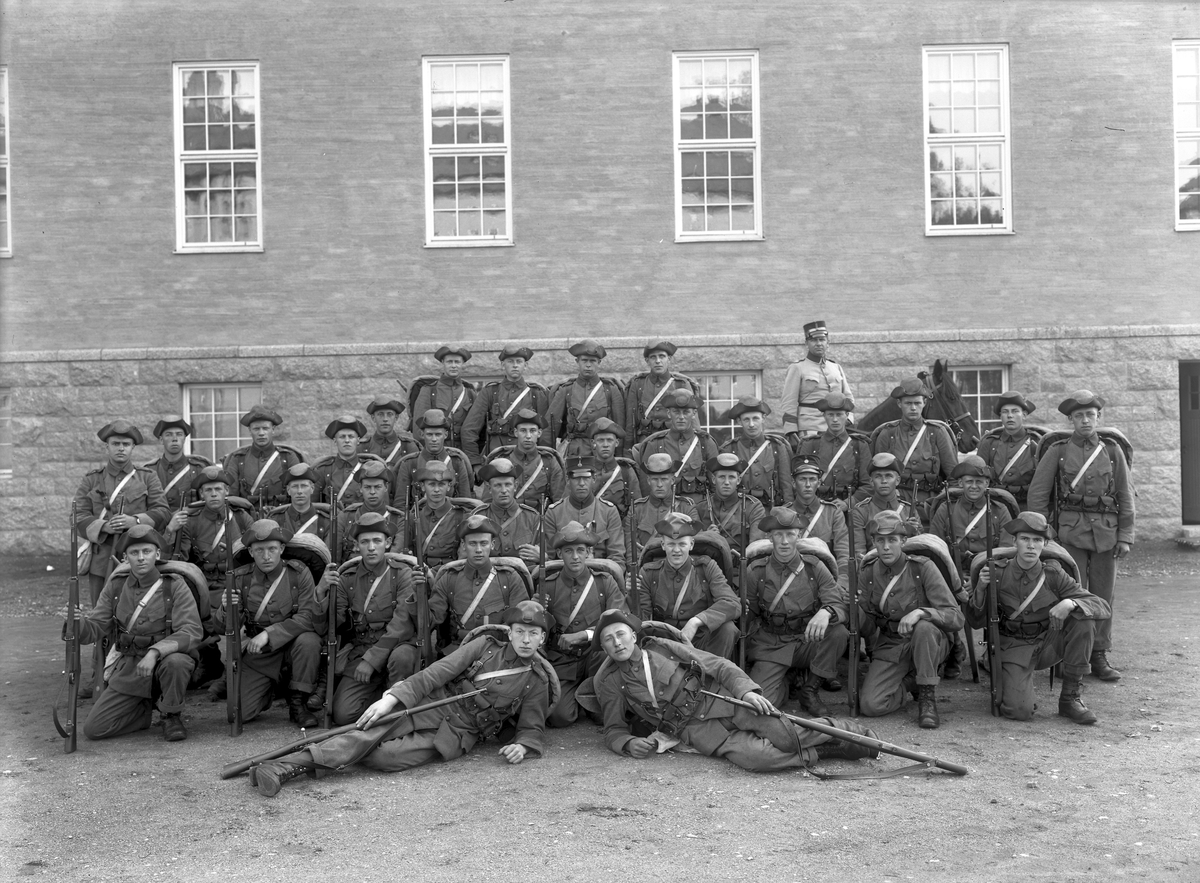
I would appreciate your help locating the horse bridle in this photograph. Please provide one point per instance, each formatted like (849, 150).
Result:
(935, 393)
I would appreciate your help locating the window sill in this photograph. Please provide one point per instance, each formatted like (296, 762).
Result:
(982, 231)
(240, 249)
(472, 243)
(753, 237)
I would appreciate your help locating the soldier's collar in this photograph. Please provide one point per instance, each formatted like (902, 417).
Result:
(584, 505)
(111, 469)
(292, 508)
(389, 437)
(681, 433)
(473, 571)
(1086, 443)
(182, 458)
(1016, 436)
(353, 458)
(377, 569)
(841, 436)
(789, 565)
(269, 574)
(215, 516)
(268, 448)
(1032, 571)
(151, 577)
(809, 508)
(818, 359)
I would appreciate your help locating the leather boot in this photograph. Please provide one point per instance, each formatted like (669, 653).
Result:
(810, 696)
(1101, 668)
(953, 666)
(316, 699)
(269, 777)
(832, 685)
(927, 713)
(298, 710)
(1070, 702)
(840, 749)
(216, 690)
(173, 730)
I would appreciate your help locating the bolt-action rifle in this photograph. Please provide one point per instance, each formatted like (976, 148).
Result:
(71, 636)
(853, 615)
(993, 609)
(743, 605)
(331, 641)
(233, 640)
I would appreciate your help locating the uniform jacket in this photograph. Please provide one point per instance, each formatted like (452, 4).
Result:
(1099, 512)
(568, 417)
(934, 457)
(598, 516)
(337, 474)
(648, 511)
(204, 543)
(825, 521)
(775, 632)
(560, 594)
(849, 477)
(375, 628)
(489, 424)
(725, 517)
(960, 513)
(348, 518)
(698, 589)
(806, 383)
(437, 532)
(547, 483)
(406, 472)
(142, 495)
(176, 478)
(861, 514)
(519, 525)
(617, 481)
(1013, 585)
(452, 397)
(691, 479)
(458, 583)
(998, 448)
(769, 476)
(920, 586)
(645, 402)
(315, 521)
(291, 611)
(390, 448)
(245, 464)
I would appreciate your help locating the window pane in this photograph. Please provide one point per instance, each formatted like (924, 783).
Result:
(218, 83)
(493, 168)
(491, 77)
(196, 230)
(219, 138)
(221, 230)
(246, 229)
(691, 73)
(495, 224)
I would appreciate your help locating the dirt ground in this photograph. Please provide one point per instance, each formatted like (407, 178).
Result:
(1045, 800)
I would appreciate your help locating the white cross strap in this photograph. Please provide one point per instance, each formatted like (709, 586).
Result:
(270, 593)
(186, 470)
(683, 463)
(836, 457)
(262, 473)
(514, 404)
(649, 678)
(583, 597)
(753, 457)
(478, 596)
(916, 441)
(350, 478)
(532, 478)
(887, 591)
(670, 384)
(591, 395)
(682, 591)
(974, 521)
(137, 611)
(608, 484)
(1015, 457)
(306, 525)
(783, 590)
(1090, 460)
(502, 673)
(395, 451)
(1041, 581)
(371, 591)
(458, 401)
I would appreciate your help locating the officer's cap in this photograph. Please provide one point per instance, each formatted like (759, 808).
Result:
(385, 403)
(913, 386)
(971, 465)
(603, 424)
(681, 400)
(726, 462)
(528, 415)
(887, 524)
(588, 347)
(434, 418)
(346, 421)
(375, 469)
(805, 463)
(138, 535)
(435, 470)
(780, 518)
(1081, 398)
(746, 405)
(209, 475)
(373, 522)
(501, 467)
(260, 412)
(121, 429)
(676, 525)
(443, 351)
(884, 462)
(659, 464)
(814, 328)
(580, 466)
(613, 616)
(512, 351)
(171, 421)
(835, 401)
(659, 346)
(1030, 522)
(1012, 397)
(263, 531)
(527, 613)
(299, 472)
(574, 533)
(477, 524)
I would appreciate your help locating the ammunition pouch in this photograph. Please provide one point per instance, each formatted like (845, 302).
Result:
(1025, 630)
(926, 483)
(844, 492)
(1093, 503)
(680, 709)
(697, 485)
(253, 628)
(134, 645)
(887, 626)
(368, 633)
(783, 625)
(488, 719)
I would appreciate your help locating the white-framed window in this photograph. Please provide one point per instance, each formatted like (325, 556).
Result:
(5, 202)
(980, 387)
(1186, 70)
(214, 410)
(218, 157)
(718, 180)
(968, 166)
(719, 391)
(468, 151)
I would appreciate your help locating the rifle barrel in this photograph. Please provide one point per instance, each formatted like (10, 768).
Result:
(73, 660)
(853, 616)
(233, 638)
(993, 629)
(331, 620)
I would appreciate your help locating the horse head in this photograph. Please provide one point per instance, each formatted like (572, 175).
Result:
(946, 404)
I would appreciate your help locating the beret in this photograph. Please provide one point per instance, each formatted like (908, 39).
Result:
(780, 518)
(346, 421)
(659, 464)
(208, 475)
(805, 463)
(728, 462)
(681, 399)
(477, 524)
(746, 405)
(576, 465)
(373, 522)
(139, 534)
(913, 386)
(527, 613)
(300, 472)
(383, 402)
(812, 329)
(260, 412)
(613, 616)
(587, 347)
(528, 415)
(971, 465)
(884, 462)
(887, 524)
(262, 531)
(1081, 398)
(1030, 522)
(435, 470)
(659, 346)
(512, 351)
(374, 469)
(501, 467)
(434, 418)
(573, 533)
(1014, 398)
(443, 351)
(122, 428)
(835, 401)
(606, 425)
(676, 525)
(172, 421)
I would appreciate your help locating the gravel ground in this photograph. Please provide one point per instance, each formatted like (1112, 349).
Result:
(1045, 800)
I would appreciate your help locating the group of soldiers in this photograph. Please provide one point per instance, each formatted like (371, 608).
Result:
(586, 550)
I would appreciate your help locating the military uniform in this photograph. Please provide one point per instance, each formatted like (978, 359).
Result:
(176, 478)
(453, 397)
(468, 596)
(489, 425)
(315, 520)
(262, 472)
(576, 404)
(349, 518)
(519, 526)
(697, 589)
(926, 455)
(649, 511)
(1012, 456)
(725, 517)
(806, 383)
(205, 540)
(850, 456)
(645, 401)
(339, 472)
(863, 512)
(690, 451)
(411, 464)
(766, 474)
(963, 525)
(825, 521)
(105, 492)
(541, 474)
(437, 532)
(598, 516)
(389, 446)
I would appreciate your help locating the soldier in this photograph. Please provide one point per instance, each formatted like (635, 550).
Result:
(490, 422)
(810, 380)
(766, 455)
(688, 447)
(925, 451)
(152, 621)
(541, 469)
(1046, 618)
(917, 617)
(726, 511)
(659, 472)
(616, 478)
(798, 616)
(521, 687)
(575, 595)
(109, 501)
(885, 476)
(175, 470)
(341, 470)
(819, 519)
(376, 612)
(302, 515)
(1011, 450)
(844, 456)
(578, 403)
(375, 485)
(581, 505)
(473, 591)
(279, 607)
(259, 470)
(519, 525)
(678, 712)
(435, 429)
(435, 518)
(689, 591)
(645, 409)
(1085, 480)
(962, 521)
(387, 441)
(449, 394)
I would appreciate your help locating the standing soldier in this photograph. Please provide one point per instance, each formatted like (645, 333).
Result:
(175, 470)
(375, 483)
(923, 449)
(490, 424)
(1084, 481)
(689, 448)
(645, 409)
(302, 515)
(726, 511)
(819, 519)
(541, 467)
(616, 478)
(109, 501)
(917, 617)
(435, 517)
(765, 454)
(1011, 450)
(341, 470)
(435, 429)
(259, 469)
(154, 624)
(448, 393)
(689, 591)
(844, 456)
(810, 380)
(885, 476)
(578, 403)
(647, 511)
(582, 506)
(519, 525)
(387, 441)
(575, 595)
